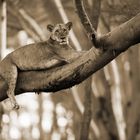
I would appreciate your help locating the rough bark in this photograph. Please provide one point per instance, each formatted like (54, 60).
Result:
(120, 39)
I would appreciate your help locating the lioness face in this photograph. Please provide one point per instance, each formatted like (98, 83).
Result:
(60, 32)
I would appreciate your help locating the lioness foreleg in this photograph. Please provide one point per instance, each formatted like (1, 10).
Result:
(11, 80)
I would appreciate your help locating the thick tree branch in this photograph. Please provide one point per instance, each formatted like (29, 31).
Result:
(123, 36)
(71, 74)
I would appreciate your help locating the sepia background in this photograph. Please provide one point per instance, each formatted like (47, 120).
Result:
(104, 107)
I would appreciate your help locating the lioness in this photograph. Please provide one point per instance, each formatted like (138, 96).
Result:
(37, 56)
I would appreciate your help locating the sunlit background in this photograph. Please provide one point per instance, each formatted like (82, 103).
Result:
(36, 114)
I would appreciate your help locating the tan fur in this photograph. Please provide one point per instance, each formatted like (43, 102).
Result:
(37, 56)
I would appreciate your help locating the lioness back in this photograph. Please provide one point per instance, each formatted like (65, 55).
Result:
(30, 55)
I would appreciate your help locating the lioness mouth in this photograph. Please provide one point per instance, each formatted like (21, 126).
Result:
(63, 42)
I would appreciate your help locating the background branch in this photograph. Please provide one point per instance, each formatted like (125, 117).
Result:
(85, 20)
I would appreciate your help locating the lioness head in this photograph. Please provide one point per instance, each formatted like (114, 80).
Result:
(60, 32)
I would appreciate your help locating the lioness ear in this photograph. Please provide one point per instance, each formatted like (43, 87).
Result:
(69, 25)
(50, 27)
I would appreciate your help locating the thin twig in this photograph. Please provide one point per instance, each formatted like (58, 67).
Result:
(86, 21)
(95, 13)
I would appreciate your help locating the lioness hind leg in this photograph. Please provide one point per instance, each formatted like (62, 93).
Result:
(11, 80)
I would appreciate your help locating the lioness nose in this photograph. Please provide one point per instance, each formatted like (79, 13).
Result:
(62, 37)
